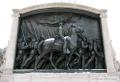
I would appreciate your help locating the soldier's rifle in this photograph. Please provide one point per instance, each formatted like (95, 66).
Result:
(23, 35)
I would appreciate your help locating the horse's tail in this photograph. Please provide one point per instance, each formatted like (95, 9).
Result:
(40, 45)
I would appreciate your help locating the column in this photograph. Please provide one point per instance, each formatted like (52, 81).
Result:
(107, 43)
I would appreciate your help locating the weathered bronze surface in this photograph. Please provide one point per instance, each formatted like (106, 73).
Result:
(61, 40)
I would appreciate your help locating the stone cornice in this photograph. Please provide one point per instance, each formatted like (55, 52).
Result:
(103, 13)
(16, 13)
(58, 5)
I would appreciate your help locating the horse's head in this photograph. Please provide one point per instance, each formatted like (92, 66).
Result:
(77, 29)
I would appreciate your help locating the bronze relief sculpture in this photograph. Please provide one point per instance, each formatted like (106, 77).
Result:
(59, 41)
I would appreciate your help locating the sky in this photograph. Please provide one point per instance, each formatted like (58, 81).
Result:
(112, 7)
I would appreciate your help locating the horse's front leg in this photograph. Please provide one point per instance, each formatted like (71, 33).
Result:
(58, 61)
(69, 58)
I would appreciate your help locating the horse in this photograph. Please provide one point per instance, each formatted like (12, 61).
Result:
(64, 44)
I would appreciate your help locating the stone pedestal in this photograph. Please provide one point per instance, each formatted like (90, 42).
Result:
(61, 77)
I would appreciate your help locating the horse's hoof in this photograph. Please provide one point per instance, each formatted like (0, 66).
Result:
(35, 69)
(68, 68)
(55, 68)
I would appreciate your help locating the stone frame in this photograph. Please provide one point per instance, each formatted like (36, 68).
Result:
(10, 54)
